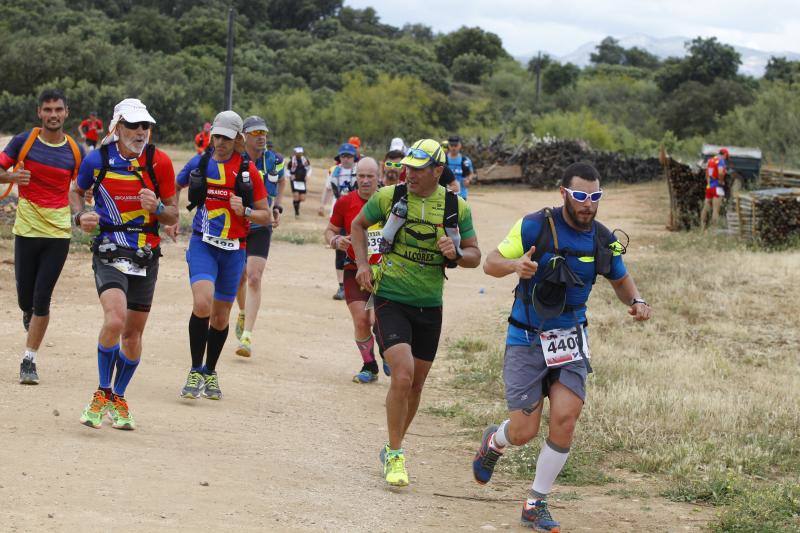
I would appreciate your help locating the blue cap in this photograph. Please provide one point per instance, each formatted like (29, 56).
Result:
(348, 148)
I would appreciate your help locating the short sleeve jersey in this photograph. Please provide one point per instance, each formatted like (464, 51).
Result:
(215, 217)
(90, 128)
(43, 209)
(270, 167)
(344, 212)
(457, 165)
(716, 165)
(343, 178)
(581, 242)
(117, 201)
(413, 272)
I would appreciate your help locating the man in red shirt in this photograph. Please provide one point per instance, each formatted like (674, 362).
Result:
(716, 172)
(90, 130)
(203, 139)
(345, 211)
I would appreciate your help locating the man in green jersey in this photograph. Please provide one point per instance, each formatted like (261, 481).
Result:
(425, 229)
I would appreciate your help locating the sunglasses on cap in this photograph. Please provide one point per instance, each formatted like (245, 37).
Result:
(392, 164)
(135, 125)
(419, 153)
(256, 133)
(580, 196)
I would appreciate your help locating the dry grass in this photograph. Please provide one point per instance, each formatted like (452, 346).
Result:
(706, 396)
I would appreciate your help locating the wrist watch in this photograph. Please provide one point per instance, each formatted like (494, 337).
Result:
(247, 212)
(160, 208)
(639, 301)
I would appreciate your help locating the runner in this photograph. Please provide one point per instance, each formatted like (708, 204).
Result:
(46, 160)
(90, 130)
(547, 351)
(299, 168)
(228, 192)
(270, 165)
(393, 168)
(341, 180)
(203, 139)
(425, 228)
(337, 236)
(133, 186)
(460, 165)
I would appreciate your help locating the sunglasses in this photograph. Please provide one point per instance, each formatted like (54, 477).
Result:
(346, 156)
(392, 164)
(135, 125)
(418, 153)
(256, 133)
(580, 196)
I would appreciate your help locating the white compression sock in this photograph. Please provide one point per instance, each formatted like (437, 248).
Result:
(551, 460)
(30, 354)
(499, 440)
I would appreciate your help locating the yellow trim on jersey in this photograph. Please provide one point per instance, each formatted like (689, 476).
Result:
(117, 176)
(221, 179)
(141, 239)
(59, 145)
(511, 247)
(222, 211)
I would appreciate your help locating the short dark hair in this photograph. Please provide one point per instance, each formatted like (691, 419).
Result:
(395, 154)
(580, 169)
(48, 95)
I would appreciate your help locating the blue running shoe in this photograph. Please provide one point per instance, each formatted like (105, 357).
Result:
(485, 458)
(538, 518)
(386, 369)
(382, 455)
(365, 376)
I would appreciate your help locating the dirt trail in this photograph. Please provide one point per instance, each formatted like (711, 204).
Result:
(294, 444)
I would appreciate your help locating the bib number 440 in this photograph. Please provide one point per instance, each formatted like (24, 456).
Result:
(560, 346)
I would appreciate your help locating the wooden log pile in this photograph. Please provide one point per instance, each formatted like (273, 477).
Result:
(687, 187)
(542, 163)
(775, 177)
(770, 217)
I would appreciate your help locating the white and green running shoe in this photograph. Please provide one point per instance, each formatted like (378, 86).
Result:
(119, 414)
(194, 385)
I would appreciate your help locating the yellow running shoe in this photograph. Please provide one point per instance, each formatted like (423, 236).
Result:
(245, 348)
(240, 325)
(93, 414)
(394, 469)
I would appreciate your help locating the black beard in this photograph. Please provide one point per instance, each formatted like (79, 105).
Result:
(574, 216)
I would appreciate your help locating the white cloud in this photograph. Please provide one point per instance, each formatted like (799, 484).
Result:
(559, 27)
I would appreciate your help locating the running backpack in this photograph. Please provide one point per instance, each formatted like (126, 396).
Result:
(26, 147)
(198, 183)
(149, 151)
(450, 219)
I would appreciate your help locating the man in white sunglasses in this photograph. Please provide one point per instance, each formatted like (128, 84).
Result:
(557, 254)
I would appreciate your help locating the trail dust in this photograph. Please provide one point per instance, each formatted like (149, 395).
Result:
(294, 443)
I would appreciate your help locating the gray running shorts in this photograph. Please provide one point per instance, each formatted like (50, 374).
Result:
(528, 378)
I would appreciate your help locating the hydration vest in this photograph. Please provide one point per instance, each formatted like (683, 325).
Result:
(198, 183)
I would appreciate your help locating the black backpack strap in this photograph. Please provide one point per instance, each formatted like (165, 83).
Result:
(603, 254)
(103, 170)
(400, 190)
(149, 158)
(450, 209)
(204, 159)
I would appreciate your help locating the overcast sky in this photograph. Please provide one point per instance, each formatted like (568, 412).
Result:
(561, 26)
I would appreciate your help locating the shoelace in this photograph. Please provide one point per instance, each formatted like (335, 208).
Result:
(98, 401)
(542, 511)
(194, 379)
(396, 464)
(212, 382)
(121, 406)
(491, 457)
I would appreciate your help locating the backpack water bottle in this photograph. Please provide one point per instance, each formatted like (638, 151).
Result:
(397, 217)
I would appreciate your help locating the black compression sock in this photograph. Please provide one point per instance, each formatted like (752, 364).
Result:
(372, 367)
(216, 340)
(198, 335)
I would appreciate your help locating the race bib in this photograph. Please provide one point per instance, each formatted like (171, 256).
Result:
(721, 192)
(273, 178)
(374, 236)
(128, 267)
(299, 185)
(560, 346)
(219, 242)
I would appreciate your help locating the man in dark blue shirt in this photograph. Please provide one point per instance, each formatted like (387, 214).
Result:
(547, 351)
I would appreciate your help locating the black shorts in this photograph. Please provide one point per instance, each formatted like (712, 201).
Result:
(139, 290)
(397, 323)
(258, 241)
(299, 185)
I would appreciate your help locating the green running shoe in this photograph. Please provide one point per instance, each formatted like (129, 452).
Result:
(240, 325)
(211, 388)
(93, 414)
(194, 384)
(394, 469)
(119, 414)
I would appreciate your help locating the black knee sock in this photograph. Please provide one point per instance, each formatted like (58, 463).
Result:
(198, 335)
(216, 340)
(296, 204)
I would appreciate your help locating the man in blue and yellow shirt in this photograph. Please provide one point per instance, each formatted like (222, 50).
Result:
(546, 347)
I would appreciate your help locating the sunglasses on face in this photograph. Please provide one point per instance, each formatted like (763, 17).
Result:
(346, 156)
(256, 133)
(580, 196)
(135, 125)
(392, 164)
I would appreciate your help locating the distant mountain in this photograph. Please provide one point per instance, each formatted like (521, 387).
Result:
(753, 61)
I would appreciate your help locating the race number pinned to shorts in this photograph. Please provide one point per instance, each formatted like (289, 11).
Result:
(560, 346)
(273, 178)
(374, 236)
(299, 186)
(219, 242)
(128, 267)
(721, 192)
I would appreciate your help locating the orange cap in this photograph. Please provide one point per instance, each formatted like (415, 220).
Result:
(355, 141)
